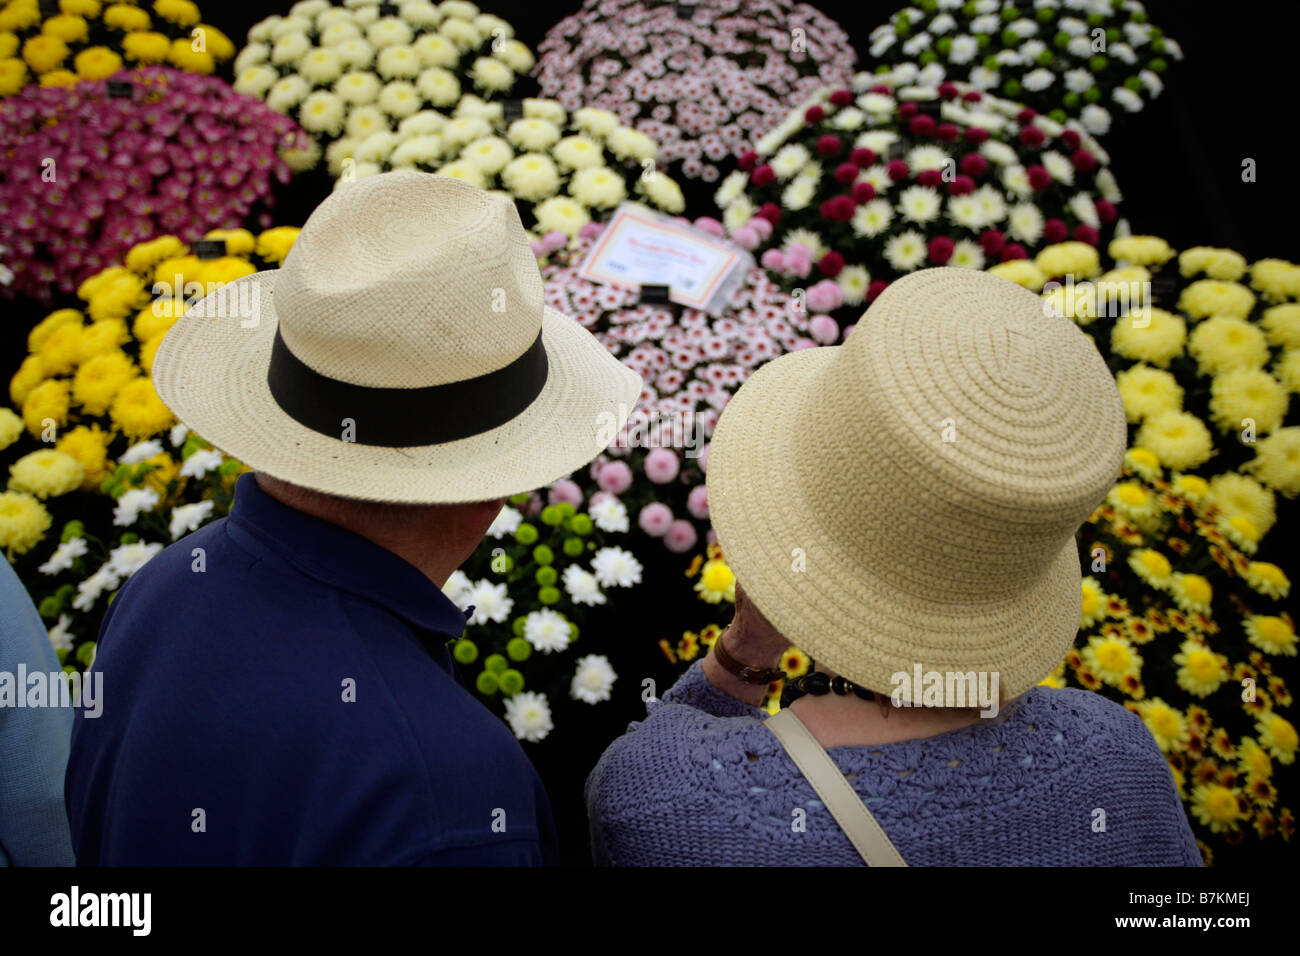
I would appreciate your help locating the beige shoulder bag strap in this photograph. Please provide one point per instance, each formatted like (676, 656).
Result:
(844, 804)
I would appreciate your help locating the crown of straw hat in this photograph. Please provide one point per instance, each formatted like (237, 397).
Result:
(403, 353)
(911, 497)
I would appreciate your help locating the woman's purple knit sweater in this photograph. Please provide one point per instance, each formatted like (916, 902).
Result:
(700, 782)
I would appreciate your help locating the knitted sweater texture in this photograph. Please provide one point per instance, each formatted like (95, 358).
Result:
(1068, 778)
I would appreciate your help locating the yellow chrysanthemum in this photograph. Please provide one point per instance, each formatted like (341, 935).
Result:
(1151, 566)
(1167, 724)
(1241, 531)
(60, 78)
(157, 317)
(1271, 634)
(561, 214)
(1076, 259)
(23, 521)
(1216, 806)
(183, 56)
(1140, 250)
(115, 298)
(1208, 297)
(1253, 760)
(11, 428)
(183, 13)
(1277, 461)
(1221, 264)
(1143, 463)
(1281, 323)
(218, 44)
(1192, 592)
(1277, 736)
(146, 46)
(1237, 494)
(45, 328)
(67, 27)
(239, 242)
(100, 338)
(125, 17)
(59, 351)
(1243, 396)
(716, 583)
(1112, 659)
(1149, 335)
(81, 8)
(1148, 391)
(1075, 302)
(1179, 439)
(1268, 578)
(47, 402)
(1287, 369)
(144, 256)
(96, 63)
(100, 279)
(1201, 671)
(8, 43)
(214, 273)
(274, 244)
(1092, 608)
(45, 473)
(175, 272)
(98, 381)
(89, 445)
(139, 412)
(1134, 501)
(20, 15)
(13, 75)
(149, 350)
(44, 53)
(30, 374)
(1222, 343)
(1276, 279)
(1192, 487)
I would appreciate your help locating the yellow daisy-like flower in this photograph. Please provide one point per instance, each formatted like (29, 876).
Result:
(1276, 279)
(1140, 250)
(139, 412)
(44, 53)
(11, 428)
(98, 381)
(1147, 391)
(96, 63)
(1133, 501)
(125, 17)
(47, 402)
(716, 582)
(146, 46)
(1271, 634)
(100, 338)
(1278, 736)
(89, 445)
(67, 27)
(13, 76)
(1111, 658)
(1207, 297)
(1167, 724)
(1223, 343)
(1248, 395)
(1277, 461)
(1192, 592)
(1267, 578)
(46, 327)
(182, 55)
(144, 256)
(274, 244)
(1149, 335)
(1217, 807)
(1191, 487)
(1142, 463)
(1152, 567)
(1179, 439)
(1201, 671)
(795, 663)
(1093, 609)
(1216, 263)
(46, 473)
(1253, 761)
(23, 522)
(1241, 531)
(1237, 494)
(1281, 324)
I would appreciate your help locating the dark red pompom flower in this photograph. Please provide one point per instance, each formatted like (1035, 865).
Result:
(1027, 115)
(948, 90)
(1013, 250)
(1083, 160)
(770, 211)
(976, 135)
(1106, 210)
(922, 125)
(861, 156)
(831, 264)
(842, 97)
(874, 288)
(940, 250)
(1055, 230)
(929, 177)
(1032, 137)
(1039, 177)
(863, 192)
(838, 208)
(960, 186)
(845, 173)
(992, 241)
(947, 132)
(1087, 234)
(748, 160)
(763, 176)
(1070, 138)
(973, 164)
(897, 169)
(828, 145)
(907, 110)
(814, 114)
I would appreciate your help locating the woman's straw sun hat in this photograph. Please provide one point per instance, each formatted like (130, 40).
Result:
(403, 353)
(911, 496)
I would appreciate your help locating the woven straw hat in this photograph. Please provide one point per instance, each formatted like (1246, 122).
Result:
(403, 353)
(873, 543)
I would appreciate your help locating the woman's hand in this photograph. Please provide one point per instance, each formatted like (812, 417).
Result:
(750, 639)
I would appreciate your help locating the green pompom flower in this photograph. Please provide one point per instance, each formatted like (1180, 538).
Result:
(573, 547)
(543, 555)
(512, 682)
(487, 684)
(526, 534)
(465, 651)
(496, 663)
(518, 649)
(546, 576)
(548, 595)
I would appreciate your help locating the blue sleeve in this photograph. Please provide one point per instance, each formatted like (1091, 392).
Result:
(33, 742)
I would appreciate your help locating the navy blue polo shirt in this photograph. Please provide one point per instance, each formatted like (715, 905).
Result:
(293, 703)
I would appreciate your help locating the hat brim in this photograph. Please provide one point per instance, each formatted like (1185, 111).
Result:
(211, 372)
(821, 599)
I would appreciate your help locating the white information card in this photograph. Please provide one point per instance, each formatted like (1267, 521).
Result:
(642, 247)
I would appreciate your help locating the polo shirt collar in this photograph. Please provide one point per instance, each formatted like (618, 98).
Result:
(344, 560)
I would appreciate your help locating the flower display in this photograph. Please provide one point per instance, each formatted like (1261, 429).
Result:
(703, 80)
(93, 39)
(691, 363)
(91, 172)
(1184, 627)
(862, 185)
(1204, 347)
(1089, 59)
(346, 72)
(545, 563)
(563, 170)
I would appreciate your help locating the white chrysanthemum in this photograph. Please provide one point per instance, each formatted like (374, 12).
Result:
(967, 254)
(963, 49)
(466, 172)
(1084, 209)
(789, 160)
(921, 158)
(60, 639)
(290, 49)
(807, 238)
(490, 154)
(356, 54)
(358, 88)
(141, 451)
(471, 105)
(1107, 186)
(615, 567)
(289, 26)
(608, 514)
(1078, 80)
(594, 679)
(421, 13)
(63, 557)
(1025, 222)
(321, 67)
(255, 80)
(905, 251)
(1060, 167)
(583, 152)
(417, 151)
(919, 204)
(400, 98)
(561, 214)
(423, 123)
(178, 434)
(436, 50)
(287, 93)
(126, 559)
(534, 135)
(465, 35)
(463, 130)
(663, 192)
(1095, 119)
(966, 211)
(89, 590)
(323, 112)
(582, 586)
(327, 18)
(338, 151)
(598, 187)
(999, 153)
(849, 119)
(398, 62)
(1038, 80)
(337, 33)
(200, 462)
(799, 194)
(187, 518)
(872, 218)
(255, 54)
(1016, 180)
(547, 631)
(853, 282)
(491, 75)
(740, 212)
(506, 522)
(438, 86)
(550, 110)
(991, 203)
(491, 602)
(458, 588)
(390, 31)
(627, 143)
(529, 716)
(532, 176)
(515, 55)
(366, 121)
